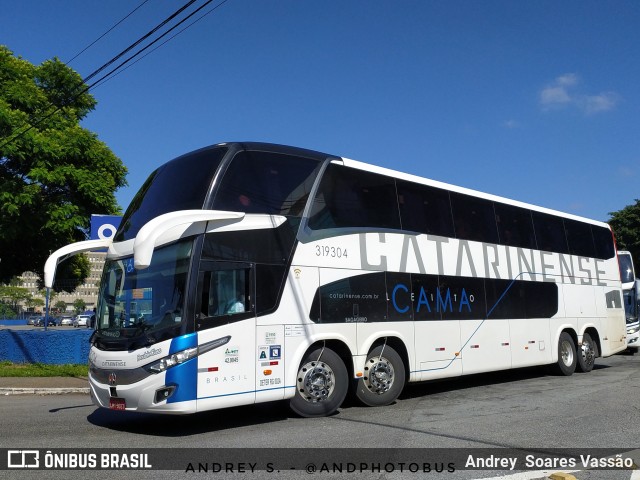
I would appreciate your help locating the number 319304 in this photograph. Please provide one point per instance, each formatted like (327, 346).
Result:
(329, 251)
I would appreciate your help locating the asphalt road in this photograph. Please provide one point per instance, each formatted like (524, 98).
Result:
(31, 327)
(523, 409)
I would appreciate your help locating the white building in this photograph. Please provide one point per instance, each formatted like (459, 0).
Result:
(88, 291)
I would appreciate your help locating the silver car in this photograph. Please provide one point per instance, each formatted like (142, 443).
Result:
(82, 321)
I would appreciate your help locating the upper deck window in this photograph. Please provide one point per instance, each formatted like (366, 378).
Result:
(181, 184)
(515, 226)
(351, 198)
(579, 238)
(550, 234)
(266, 182)
(603, 238)
(425, 209)
(474, 218)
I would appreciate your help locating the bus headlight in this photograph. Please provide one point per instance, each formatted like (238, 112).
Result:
(173, 360)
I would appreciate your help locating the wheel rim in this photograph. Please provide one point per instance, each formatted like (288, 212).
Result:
(379, 375)
(316, 382)
(588, 353)
(567, 353)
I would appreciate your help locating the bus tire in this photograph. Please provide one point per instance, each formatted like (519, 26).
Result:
(321, 384)
(567, 357)
(383, 379)
(587, 355)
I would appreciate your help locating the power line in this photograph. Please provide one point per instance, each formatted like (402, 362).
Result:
(121, 54)
(100, 82)
(105, 33)
(94, 73)
(114, 73)
(141, 39)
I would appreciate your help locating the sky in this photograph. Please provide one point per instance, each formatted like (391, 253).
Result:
(534, 101)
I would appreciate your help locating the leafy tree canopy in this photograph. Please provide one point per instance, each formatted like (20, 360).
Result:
(6, 311)
(60, 305)
(626, 226)
(53, 173)
(13, 295)
(35, 302)
(79, 305)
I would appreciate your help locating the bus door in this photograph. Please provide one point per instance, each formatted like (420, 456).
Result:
(225, 324)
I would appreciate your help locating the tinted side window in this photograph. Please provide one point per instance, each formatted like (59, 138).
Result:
(425, 209)
(603, 238)
(474, 218)
(351, 198)
(343, 301)
(263, 182)
(269, 280)
(579, 238)
(225, 295)
(550, 235)
(515, 227)
(264, 245)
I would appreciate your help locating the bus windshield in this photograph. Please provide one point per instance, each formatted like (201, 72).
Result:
(630, 305)
(136, 302)
(626, 267)
(180, 184)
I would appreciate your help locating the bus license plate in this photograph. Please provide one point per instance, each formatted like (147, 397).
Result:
(117, 404)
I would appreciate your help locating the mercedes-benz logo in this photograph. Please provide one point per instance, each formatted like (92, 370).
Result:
(112, 378)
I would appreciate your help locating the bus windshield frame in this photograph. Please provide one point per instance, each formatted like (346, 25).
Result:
(148, 303)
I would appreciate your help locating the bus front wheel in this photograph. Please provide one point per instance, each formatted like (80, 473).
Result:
(321, 384)
(383, 378)
(567, 357)
(588, 353)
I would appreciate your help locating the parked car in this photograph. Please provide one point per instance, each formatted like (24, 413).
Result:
(67, 320)
(82, 321)
(33, 321)
(39, 322)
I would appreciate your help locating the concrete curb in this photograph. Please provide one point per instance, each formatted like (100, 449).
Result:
(42, 391)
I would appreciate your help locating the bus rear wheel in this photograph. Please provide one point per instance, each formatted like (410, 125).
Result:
(587, 355)
(567, 357)
(321, 384)
(383, 378)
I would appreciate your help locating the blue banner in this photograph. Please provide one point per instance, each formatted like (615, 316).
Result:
(104, 226)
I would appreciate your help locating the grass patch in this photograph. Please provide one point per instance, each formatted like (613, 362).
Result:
(9, 369)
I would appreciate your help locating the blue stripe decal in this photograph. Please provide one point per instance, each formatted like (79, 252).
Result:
(184, 376)
(244, 393)
(182, 343)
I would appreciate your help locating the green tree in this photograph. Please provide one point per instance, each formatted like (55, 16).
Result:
(13, 295)
(53, 173)
(32, 301)
(60, 306)
(626, 227)
(79, 305)
(6, 311)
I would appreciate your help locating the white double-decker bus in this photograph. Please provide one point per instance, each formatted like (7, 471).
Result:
(247, 272)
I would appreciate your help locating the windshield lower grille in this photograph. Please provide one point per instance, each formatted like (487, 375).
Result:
(125, 377)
